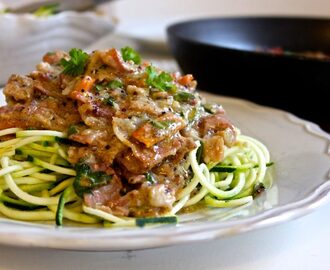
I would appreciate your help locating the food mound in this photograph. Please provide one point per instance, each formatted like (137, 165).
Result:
(121, 139)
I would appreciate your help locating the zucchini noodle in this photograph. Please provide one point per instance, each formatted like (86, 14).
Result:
(37, 181)
(218, 187)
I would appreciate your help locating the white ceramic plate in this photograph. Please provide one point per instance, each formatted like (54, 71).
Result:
(301, 173)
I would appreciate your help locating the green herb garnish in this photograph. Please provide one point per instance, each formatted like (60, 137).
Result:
(183, 96)
(46, 10)
(129, 54)
(99, 87)
(72, 130)
(162, 81)
(150, 178)
(109, 101)
(18, 152)
(87, 179)
(161, 124)
(66, 141)
(76, 65)
(115, 84)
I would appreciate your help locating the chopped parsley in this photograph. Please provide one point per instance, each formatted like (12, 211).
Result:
(46, 10)
(129, 54)
(162, 81)
(76, 65)
(184, 97)
(99, 87)
(150, 178)
(109, 101)
(87, 179)
(115, 84)
(72, 130)
(161, 124)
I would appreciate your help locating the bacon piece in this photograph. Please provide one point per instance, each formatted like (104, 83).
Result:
(148, 200)
(54, 58)
(10, 116)
(45, 85)
(42, 114)
(151, 133)
(142, 105)
(213, 149)
(104, 150)
(145, 158)
(214, 123)
(91, 136)
(19, 89)
(105, 194)
(114, 59)
(187, 146)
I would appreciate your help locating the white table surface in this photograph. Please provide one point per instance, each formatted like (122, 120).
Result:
(296, 245)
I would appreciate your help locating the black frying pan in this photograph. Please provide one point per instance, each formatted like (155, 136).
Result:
(230, 56)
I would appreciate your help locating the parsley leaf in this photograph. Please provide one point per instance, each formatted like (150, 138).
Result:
(76, 65)
(72, 130)
(150, 178)
(115, 84)
(109, 101)
(184, 97)
(129, 54)
(163, 81)
(99, 87)
(86, 179)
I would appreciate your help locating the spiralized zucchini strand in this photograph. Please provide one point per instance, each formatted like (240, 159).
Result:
(28, 133)
(26, 215)
(235, 188)
(24, 175)
(20, 193)
(102, 214)
(8, 131)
